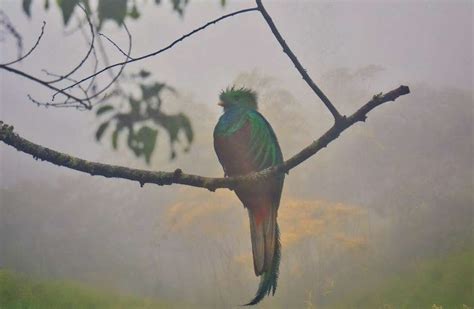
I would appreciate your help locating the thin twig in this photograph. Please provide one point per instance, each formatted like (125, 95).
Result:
(68, 103)
(163, 49)
(84, 59)
(115, 78)
(31, 50)
(116, 46)
(84, 91)
(42, 82)
(96, 65)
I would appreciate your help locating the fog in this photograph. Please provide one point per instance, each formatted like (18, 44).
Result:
(385, 195)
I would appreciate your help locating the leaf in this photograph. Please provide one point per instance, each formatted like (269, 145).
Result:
(134, 14)
(188, 129)
(112, 9)
(174, 124)
(223, 2)
(134, 106)
(46, 4)
(101, 130)
(67, 8)
(103, 109)
(144, 73)
(149, 91)
(27, 7)
(179, 5)
(148, 136)
(115, 138)
(143, 142)
(132, 143)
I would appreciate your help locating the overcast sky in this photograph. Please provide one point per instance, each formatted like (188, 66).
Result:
(352, 49)
(426, 42)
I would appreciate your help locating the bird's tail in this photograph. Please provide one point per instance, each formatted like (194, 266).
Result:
(268, 269)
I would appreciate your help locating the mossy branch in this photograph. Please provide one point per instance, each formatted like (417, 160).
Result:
(9, 137)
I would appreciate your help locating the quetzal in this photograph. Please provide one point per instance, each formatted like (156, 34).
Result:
(245, 142)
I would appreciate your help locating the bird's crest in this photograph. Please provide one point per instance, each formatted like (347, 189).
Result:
(244, 97)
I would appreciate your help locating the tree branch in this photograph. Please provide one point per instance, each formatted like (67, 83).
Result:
(42, 82)
(299, 67)
(178, 177)
(89, 51)
(162, 49)
(31, 49)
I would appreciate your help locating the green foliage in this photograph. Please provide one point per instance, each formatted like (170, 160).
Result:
(142, 120)
(67, 8)
(179, 5)
(116, 10)
(144, 112)
(143, 74)
(27, 7)
(19, 291)
(112, 9)
(115, 136)
(103, 109)
(101, 130)
(174, 124)
(143, 142)
(444, 282)
(134, 14)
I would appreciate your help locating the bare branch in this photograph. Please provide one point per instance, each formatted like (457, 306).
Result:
(71, 100)
(42, 82)
(84, 91)
(340, 126)
(89, 51)
(122, 67)
(115, 45)
(178, 177)
(163, 49)
(32, 49)
(299, 67)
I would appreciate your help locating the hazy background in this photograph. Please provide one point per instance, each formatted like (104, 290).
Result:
(384, 196)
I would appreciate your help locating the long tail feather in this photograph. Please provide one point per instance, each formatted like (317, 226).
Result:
(268, 280)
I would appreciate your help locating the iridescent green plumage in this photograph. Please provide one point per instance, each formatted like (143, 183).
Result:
(242, 96)
(245, 142)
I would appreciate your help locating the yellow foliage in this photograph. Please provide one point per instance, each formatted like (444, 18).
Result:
(353, 243)
(299, 219)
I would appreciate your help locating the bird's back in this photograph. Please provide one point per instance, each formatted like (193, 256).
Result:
(245, 142)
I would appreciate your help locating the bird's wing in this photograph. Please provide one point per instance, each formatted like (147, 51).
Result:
(263, 144)
(253, 147)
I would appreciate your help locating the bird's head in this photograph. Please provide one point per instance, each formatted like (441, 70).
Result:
(242, 97)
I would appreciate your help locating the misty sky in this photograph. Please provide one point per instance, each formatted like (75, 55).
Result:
(414, 41)
(413, 152)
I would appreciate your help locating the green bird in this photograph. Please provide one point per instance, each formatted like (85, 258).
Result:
(245, 142)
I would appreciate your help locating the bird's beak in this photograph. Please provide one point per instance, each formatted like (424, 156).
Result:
(221, 104)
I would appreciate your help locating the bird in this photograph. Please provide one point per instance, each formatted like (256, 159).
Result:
(245, 142)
